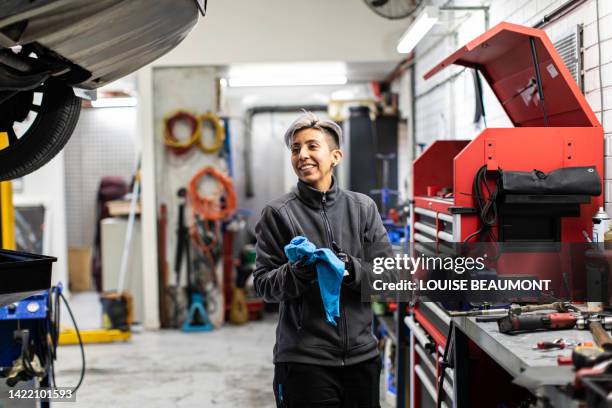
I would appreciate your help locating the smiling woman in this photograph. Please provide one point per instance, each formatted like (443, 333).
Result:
(315, 150)
(333, 362)
(313, 156)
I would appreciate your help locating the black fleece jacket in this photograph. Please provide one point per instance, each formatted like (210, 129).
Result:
(303, 335)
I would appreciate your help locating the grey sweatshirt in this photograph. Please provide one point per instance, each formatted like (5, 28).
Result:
(303, 335)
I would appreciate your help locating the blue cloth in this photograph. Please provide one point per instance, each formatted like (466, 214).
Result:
(330, 271)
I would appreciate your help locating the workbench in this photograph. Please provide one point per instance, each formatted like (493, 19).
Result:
(514, 353)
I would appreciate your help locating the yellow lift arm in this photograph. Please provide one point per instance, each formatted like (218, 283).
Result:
(7, 212)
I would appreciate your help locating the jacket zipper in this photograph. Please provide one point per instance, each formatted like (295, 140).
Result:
(330, 239)
(330, 235)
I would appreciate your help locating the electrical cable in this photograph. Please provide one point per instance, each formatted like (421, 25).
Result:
(78, 333)
(486, 205)
(51, 338)
(209, 211)
(447, 361)
(204, 238)
(171, 141)
(219, 133)
(213, 209)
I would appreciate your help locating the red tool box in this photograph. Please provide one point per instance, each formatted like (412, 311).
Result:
(554, 127)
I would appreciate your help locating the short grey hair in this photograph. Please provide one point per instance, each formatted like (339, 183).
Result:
(309, 120)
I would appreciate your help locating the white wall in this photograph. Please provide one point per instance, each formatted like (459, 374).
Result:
(47, 186)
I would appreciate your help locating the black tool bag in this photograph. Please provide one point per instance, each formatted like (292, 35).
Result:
(563, 181)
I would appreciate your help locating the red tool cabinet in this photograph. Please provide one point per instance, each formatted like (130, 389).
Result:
(550, 132)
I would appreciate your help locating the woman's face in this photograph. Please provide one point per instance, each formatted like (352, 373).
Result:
(313, 158)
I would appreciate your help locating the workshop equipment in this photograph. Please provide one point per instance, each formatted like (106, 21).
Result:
(210, 212)
(118, 305)
(588, 356)
(29, 331)
(197, 316)
(557, 344)
(7, 211)
(110, 188)
(172, 142)
(515, 309)
(601, 225)
(162, 267)
(554, 128)
(533, 322)
(23, 274)
(195, 123)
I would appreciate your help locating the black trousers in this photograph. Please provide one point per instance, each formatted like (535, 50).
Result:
(306, 385)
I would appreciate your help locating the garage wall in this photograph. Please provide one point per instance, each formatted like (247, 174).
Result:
(447, 111)
(44, 186)
(103, 144)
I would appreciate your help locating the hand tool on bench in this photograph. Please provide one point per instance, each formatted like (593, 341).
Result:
(598, 324)
(515, 309)
(533, 322)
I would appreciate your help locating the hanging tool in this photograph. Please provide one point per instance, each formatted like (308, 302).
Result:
(209, 212)
(197, 317)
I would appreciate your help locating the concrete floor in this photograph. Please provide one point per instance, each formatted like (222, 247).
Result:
(230, 367)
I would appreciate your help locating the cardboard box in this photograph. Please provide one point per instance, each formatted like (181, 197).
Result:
(79, 269)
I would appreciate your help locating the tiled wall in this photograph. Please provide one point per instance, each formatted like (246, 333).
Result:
(447, 111)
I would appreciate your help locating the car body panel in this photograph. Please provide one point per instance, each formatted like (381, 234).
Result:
(108, 38)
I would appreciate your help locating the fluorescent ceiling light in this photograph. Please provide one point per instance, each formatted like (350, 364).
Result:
(421, 25)
(114, 102)
(287, 81)
(294, 74)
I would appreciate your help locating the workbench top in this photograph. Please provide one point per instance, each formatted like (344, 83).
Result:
(531, 368)
(515, 352)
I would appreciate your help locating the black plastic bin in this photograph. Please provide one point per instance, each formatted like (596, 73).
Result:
(23, 274)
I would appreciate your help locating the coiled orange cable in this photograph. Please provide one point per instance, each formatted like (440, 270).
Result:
(210, 209)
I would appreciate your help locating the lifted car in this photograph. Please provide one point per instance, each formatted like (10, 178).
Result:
(53, 50)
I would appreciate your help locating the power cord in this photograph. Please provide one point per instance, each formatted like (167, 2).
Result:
(486, 204)
(55, 294)
(447, 361)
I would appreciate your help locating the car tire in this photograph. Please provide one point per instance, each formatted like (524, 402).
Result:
(55, 120)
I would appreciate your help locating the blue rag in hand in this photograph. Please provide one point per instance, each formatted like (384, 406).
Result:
(330, 271)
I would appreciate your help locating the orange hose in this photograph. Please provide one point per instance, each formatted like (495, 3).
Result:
(211, 208)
